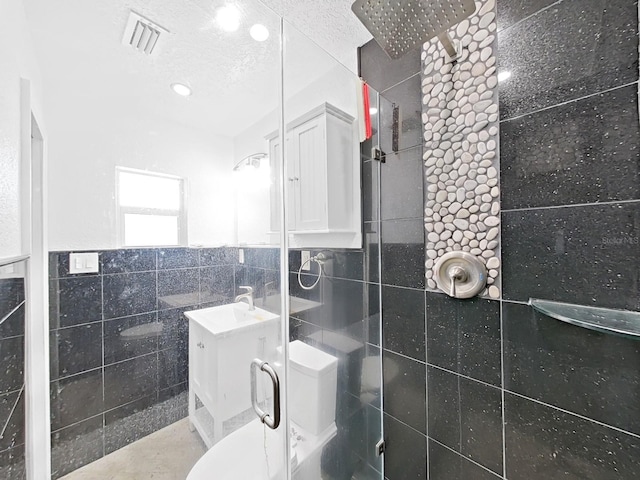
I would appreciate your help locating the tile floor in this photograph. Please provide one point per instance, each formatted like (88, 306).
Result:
(168, 454)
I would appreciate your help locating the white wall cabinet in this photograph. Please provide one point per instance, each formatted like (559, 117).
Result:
(323, 180)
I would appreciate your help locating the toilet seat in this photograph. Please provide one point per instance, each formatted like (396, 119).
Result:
(242, 455)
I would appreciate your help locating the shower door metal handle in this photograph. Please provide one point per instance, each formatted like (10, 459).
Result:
(268, 420)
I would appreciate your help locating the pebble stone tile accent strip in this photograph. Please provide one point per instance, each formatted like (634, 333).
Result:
(461, 127)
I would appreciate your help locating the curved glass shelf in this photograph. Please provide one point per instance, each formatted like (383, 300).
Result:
(606, 320)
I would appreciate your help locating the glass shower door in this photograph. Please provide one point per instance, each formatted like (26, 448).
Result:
(335, 368)
(237, 348)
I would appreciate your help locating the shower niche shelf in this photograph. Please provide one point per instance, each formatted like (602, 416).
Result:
(618, 322)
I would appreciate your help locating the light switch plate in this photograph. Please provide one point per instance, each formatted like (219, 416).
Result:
(84, 263)
(240, 255)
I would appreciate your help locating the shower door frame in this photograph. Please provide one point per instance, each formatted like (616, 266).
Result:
(284, 260)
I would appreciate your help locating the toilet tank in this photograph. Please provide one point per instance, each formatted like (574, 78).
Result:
(312, 386)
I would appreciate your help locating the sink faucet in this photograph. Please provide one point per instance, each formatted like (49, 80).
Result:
(248, 296)
(265, 292)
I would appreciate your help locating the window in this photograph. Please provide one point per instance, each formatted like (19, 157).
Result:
(150, 208)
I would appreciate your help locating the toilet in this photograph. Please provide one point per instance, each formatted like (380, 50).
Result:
(254, 452)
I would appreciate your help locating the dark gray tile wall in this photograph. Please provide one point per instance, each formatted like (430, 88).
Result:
(109, 385)
(556, 156)
(544, 442)
(12, 416)
(565, 52)
(451, 347)
(571, 228)
(509, 392)
(464, 394)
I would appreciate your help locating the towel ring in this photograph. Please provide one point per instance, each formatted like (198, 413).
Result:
(320, 259)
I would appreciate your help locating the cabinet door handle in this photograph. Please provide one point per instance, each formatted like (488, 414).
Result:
(268, 420)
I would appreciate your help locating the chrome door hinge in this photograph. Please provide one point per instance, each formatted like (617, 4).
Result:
(378, 155)
(380, 448)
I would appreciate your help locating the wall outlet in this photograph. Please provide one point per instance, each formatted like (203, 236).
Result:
(240, 255)
(84, 263)
(304, 259)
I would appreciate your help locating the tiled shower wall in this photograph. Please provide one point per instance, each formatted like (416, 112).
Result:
(12, 316)
(111, 384)
(571, 232)
(398, 186)
(461, 147)
(511, 393)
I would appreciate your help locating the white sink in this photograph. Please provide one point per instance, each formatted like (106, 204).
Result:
(229, 318)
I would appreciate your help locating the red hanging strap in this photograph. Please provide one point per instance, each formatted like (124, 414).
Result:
(367, 112)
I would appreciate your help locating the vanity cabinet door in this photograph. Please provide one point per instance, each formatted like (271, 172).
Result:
(201, 373)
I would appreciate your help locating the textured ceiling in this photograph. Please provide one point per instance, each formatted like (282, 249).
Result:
(234, 78)
(329, 23)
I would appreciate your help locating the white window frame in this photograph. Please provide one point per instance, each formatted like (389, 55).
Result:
(122, 211)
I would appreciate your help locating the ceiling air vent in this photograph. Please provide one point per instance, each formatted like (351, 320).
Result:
(142, 34)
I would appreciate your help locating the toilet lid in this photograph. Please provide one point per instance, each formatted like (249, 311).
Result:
(242, 456)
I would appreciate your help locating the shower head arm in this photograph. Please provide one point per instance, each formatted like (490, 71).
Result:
(453, 49)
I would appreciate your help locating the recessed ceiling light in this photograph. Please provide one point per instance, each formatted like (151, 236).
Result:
(228, 18)
(259, 32)
(181, 89)
(373, 111)
(502, 76)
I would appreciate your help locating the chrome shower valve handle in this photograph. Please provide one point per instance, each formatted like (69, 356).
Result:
(460, 274)
(457, 274)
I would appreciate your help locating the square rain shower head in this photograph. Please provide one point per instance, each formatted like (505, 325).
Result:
(399, 26)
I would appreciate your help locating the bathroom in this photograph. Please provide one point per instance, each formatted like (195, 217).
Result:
(160, 163)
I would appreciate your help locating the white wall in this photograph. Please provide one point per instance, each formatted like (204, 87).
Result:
(88, 139)
(16, 60)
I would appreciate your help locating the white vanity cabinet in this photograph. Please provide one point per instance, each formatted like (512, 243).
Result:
(223, 341)
(323, 177)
